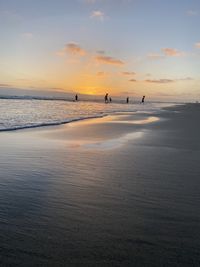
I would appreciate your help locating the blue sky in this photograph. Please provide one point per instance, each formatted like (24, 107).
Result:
(125, 46)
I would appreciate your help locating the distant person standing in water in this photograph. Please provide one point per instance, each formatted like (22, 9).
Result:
(143, 99)
(76, 97)
(127, 100)
(106, 98)
(110, 99)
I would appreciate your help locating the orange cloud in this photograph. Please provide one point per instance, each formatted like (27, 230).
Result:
(171, 52)
(108, 60)
(197, 45)
(4, 85)
(167, 52)
(132, 80)
(127, 73)
(101, 73)
(73, 49)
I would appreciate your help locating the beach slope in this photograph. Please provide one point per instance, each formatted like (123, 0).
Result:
(122, 190)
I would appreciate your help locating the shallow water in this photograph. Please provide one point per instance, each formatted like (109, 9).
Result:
(24, 113)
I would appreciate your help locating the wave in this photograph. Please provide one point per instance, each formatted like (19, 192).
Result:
(46, 124)
(18, 115)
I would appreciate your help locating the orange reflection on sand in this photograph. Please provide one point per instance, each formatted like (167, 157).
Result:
(114, 119)
(144, 121)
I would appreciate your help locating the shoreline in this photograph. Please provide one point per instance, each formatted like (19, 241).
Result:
(66, 121)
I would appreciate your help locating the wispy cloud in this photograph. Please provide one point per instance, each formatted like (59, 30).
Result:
(128, 73)
(166, 52)
(160, 81)
(164, 81)
(98, 15)
(101, 52)
(27, 35)
(4, 85)
(192, 13)
(185, 79)
(132, 80)
(171, 52)
(101, 73)
(11, 15)
(73, 49)
(90, 1)
(109, 60)
(197, 45)
(155, 56)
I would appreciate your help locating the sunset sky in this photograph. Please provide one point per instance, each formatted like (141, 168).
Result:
(125, 47)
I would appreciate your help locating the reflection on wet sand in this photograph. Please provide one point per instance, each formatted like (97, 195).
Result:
(143, 121)
(109, 132)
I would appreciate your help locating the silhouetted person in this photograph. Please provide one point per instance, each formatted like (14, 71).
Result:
(143, 99)
(76, 97)
(110, 99)
(127, 100)
(106, 98)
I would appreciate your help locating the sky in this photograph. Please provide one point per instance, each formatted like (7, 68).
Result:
(123, 47)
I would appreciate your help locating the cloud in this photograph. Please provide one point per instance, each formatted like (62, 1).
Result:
(73, 49)
(171, 52)
(132, 80)
(155, 56)
(197, 45)
(163, 81)
(101, 73)
(27, 35)
(4, 85)
(185, 79)
(127, 73)
(11, 15)
(90, 1)
(101, 52)
(160, 81)
(108, 60)
(192, 13)
(166, 52)
(98, 15)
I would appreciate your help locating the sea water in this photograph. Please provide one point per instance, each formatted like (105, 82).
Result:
(25, 113)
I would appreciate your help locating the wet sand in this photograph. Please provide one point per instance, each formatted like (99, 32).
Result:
(121, 190)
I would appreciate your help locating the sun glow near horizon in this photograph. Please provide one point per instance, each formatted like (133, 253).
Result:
(92, 47)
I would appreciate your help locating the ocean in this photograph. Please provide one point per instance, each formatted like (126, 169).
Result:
(25, 113)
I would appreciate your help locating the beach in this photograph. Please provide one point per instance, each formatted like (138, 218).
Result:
(121, 190)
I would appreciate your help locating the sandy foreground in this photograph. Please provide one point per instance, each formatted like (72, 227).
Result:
(123, 190)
